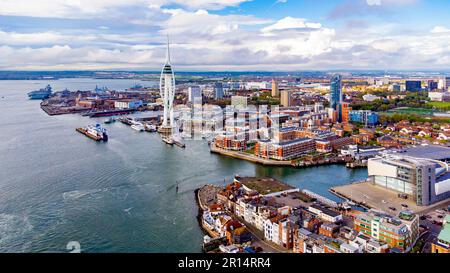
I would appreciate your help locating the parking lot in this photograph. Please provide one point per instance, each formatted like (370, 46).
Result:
(382, 199)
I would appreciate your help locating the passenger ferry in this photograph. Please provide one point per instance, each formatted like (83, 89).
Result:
(95, 132)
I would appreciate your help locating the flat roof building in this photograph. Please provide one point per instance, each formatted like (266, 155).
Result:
(396, 232)
(426, 181)
(442, 243)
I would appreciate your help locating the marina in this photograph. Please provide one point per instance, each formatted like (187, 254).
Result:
(100, 183)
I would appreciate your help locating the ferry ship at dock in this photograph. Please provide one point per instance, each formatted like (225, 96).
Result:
(41, 94)
(95, 132)
(138, 127)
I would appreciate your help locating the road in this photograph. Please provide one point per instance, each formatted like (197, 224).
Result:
(267, 246)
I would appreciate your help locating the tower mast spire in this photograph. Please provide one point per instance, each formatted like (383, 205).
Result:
(168, 50)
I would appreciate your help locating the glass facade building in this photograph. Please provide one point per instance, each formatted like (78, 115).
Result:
(413, 86)
(336, 95)
(366, 117)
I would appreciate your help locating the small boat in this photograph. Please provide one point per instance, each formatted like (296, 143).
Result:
(138, 127)
(150, 127)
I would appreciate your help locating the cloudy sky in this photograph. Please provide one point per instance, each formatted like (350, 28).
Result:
(224, 35)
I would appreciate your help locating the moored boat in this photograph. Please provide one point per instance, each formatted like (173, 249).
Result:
(138, 127)
(41, 94)
(150, 127)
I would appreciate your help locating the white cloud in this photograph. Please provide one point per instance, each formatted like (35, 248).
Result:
(389, 2)
(203, 40)
(192, 25)
(98, 8)
(373, 2)
(387, 45)
(440, 29)
(291, 23)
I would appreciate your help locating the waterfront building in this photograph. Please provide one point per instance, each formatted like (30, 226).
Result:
(426, 181)
(194, 94)
(365, 117)
(398, 232)
(127, 104)
(442, 243)
(323, 146)
(447, 84)
(339, 143)
(275, 90)
(336, 95)
(286, 150)
(362, 152)
(413, 86)
(230, 143)
(167, 91)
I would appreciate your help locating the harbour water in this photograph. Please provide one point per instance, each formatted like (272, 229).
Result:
(57, 186)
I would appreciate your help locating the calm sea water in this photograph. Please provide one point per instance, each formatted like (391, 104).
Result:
(58, 186)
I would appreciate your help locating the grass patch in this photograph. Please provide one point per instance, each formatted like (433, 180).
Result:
(265, 185)
(439, 104)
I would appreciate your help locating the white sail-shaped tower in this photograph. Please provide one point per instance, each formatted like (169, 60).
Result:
(167, 91)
